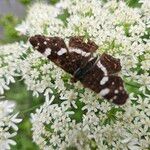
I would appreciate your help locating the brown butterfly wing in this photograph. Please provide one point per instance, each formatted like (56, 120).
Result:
(95, 74)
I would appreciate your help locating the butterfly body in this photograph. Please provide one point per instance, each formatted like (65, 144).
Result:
(95, 73)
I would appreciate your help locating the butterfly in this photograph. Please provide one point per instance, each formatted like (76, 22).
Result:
(78, 58)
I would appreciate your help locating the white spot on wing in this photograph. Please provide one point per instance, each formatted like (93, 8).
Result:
(87, 54)
(104, 80)
(47, 52)
(104, 92)
(79, 51)
(36, 47)
(121, 88)
(91, 58)
(99, 64)
(45, 42)
(61, 51)
(116, 91)
(115, 97)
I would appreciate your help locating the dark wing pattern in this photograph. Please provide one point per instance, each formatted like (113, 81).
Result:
(78, 42)
(95, 73)
(112, 64)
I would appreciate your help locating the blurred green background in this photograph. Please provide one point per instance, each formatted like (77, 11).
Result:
(11, 14)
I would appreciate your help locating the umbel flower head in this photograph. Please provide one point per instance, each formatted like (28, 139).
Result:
(8, 124)
(73, 117)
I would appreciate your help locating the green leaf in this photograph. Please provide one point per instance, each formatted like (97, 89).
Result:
(133, 3)
(25, 2)
(63, 17)
(53, 2)
(9, 23)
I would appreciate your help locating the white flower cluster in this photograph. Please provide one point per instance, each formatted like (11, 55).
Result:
(40, 17)
(8, 121)
(76, 118)
(10, 58)
(56, 127)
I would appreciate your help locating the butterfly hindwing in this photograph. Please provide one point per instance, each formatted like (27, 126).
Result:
(114, 90)
(112, 64)
(108, 86)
